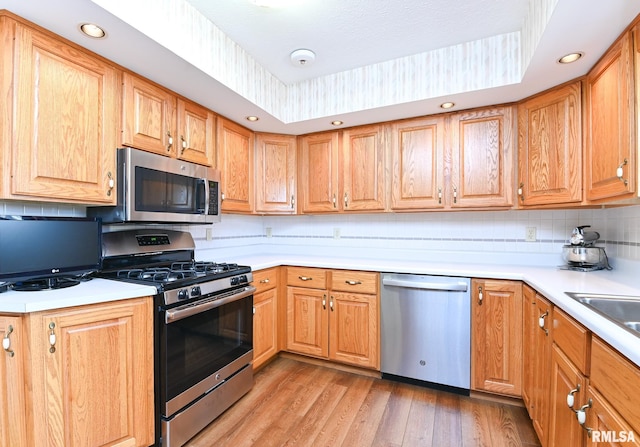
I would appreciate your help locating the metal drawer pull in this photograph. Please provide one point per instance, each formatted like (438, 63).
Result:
(264, 281)
(324, 301)
(52, 338)
(541, 322)
(305, 278)
(6, 342)
(331, 303)
(352, 282)
(570, 397)
(581, 415)
(169, 141)
(480, 297)
(620, 172)
(111, 183)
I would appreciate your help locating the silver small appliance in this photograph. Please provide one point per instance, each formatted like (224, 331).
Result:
(581, 254)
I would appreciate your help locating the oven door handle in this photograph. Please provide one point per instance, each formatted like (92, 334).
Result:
(188, 310)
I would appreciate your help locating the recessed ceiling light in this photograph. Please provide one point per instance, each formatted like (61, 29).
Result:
(571, 57)
(92, 30)
(252, 118)
(337, 123)
(447, 105)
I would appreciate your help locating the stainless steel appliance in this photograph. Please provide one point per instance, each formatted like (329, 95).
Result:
(203, 326)
(426, 330)
(157, 189)
(581, 254)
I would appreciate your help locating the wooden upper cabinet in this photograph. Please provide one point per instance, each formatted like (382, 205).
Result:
(276, 174)
(550, 147)
(417, 148)
(148, 116)
(196, 133)
(65, 111)
(318, 179)
(482, 159)
(611, 147)
(157, 120)
(235, 161)
(363, 169)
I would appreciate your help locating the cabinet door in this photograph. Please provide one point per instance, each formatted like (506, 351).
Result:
(566, 380)
(13, 425)
(530, 323)
(482, 159)
(606, 426)
(148, 116)
(265, 311)
(196, 129)
(610, 139)
(235, 161)
(541, 367)
(353, 323)
(363, 169)
(550, 147)
(308, 321)
(275, 174)
(318, 179)
(66, 108)
(93, 375)
(497, 336)
(418, 164)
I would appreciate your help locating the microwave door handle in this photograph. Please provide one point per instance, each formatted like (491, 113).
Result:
(202, 196)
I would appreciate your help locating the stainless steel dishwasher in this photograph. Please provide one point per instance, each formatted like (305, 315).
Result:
(426, 330)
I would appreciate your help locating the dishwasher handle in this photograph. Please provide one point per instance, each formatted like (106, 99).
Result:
(426, 285)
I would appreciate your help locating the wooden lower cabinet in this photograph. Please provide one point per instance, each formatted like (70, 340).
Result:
(605, 426)
(339, 322)
(13, 425)
(265, 316)
(89, 376)
(496, 331)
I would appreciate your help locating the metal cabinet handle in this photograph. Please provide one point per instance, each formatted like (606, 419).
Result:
(620, 172)
(324, 302)
(264, 281)
(52, 337)
(334, 201)
(346, 200)
(170, 142)
(541, 322)
(455, 194)
(480, 296)
(581, 415)
(183, 143)
(111, 183)
(293, 202)
(571, 397)
(352, 282)
(6, 342)
(521, 191)
(439, 196)
(222, 197)
(305, 278)
(331, 303)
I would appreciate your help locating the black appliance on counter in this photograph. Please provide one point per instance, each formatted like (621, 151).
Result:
(203, 326)
(38, 252)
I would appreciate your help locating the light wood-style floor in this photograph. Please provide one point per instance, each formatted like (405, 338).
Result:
(298, 404)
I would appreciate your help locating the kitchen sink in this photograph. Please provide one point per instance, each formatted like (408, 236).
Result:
(621, 309)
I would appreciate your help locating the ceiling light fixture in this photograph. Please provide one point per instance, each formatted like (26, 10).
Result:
(447, 105)
(302, 57)
(92, 30)
(252, 118)
(569, 58)
(337, 123)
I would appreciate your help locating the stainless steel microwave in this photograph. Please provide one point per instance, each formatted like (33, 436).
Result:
(157, 189)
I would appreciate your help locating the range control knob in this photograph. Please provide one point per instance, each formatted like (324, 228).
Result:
(195, 291)
(235, 281)
(183, 294)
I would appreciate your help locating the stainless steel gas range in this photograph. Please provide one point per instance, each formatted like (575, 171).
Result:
(203, 326)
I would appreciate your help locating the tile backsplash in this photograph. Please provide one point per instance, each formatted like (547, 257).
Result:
(478, 231)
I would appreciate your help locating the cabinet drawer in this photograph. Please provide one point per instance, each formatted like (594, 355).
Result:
(265, 279)
(617, 379)
(573, 338)
(354, 281)
(310, 278)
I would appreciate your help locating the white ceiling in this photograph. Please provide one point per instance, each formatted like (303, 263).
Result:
(345, 35)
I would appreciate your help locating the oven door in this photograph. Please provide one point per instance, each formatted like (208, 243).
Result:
(202, 345)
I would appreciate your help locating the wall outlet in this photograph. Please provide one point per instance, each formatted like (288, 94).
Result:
(209, 234)
(336, 233)
(530, 234)
(269, 231)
